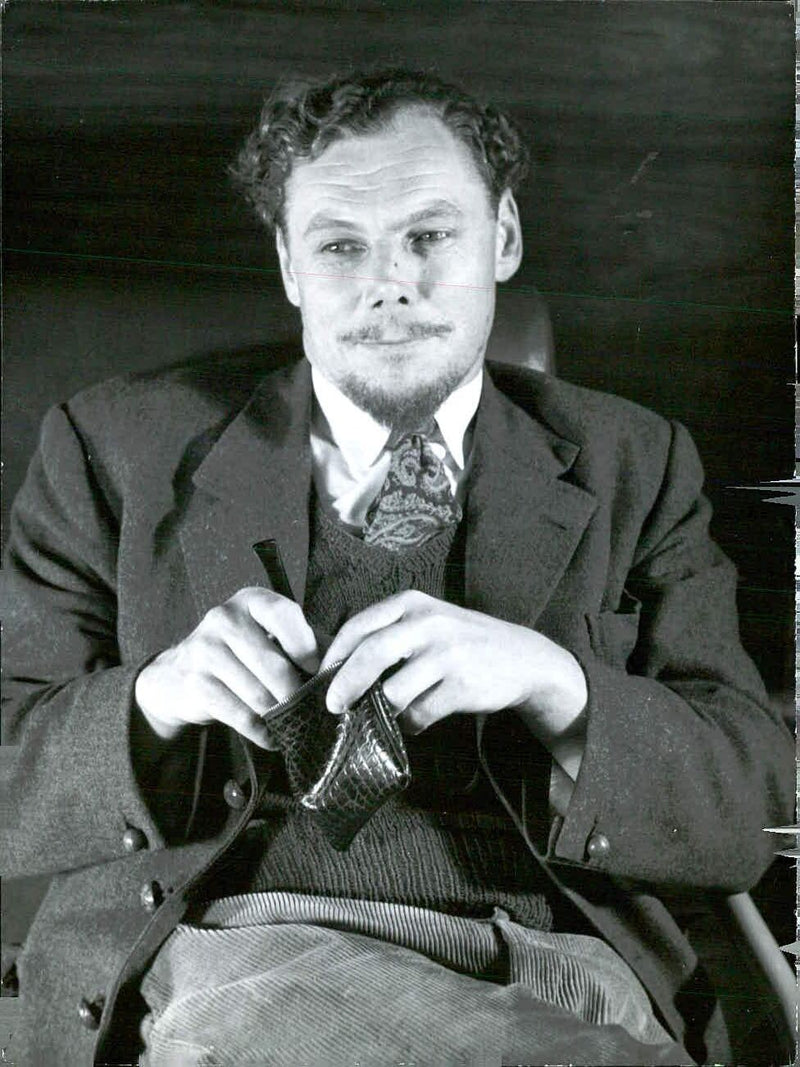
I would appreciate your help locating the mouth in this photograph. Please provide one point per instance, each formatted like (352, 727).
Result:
(417, 334)
(395, 343)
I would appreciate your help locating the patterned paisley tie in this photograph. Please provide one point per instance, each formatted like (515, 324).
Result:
(415, 502)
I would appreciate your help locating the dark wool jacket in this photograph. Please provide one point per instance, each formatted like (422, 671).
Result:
(585, 520)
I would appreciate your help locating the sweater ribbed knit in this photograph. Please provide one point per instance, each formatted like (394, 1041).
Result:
(446, 842)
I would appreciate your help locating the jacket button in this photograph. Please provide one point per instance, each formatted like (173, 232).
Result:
(234, 795)
(89, 1012)
(598, 847)
(151, 896)
(133, 840)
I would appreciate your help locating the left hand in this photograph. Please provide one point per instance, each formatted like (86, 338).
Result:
(450, 659)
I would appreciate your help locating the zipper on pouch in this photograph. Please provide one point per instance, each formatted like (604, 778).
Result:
(300, 694)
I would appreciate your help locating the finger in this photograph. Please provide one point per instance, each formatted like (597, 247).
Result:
(224, 666)
(375, 654)
(233, 626)
(265, 661)
(428, 708)
(416, 676)
(366, 622)
(223, 705)
(284, 620)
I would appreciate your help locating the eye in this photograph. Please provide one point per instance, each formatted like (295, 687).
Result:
(341, 248)
(429, 237)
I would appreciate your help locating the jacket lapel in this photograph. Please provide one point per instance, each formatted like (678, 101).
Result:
(524, 520)
(253, 485)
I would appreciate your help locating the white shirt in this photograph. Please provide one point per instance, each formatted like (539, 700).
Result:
(350, 458)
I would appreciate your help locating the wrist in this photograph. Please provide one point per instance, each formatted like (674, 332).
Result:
(165, 730)
(555, 709)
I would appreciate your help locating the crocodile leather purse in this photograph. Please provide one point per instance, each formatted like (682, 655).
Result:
(341, 767)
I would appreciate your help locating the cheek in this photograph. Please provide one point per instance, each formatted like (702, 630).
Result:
(469, 303)
(321, 300)
(322, 292)
(463, 277)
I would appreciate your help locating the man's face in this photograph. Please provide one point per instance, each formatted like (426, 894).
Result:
(391, 250)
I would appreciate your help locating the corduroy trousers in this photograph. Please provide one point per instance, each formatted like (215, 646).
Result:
(286, 980)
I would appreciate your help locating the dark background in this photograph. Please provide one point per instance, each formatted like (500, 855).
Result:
(658, 217)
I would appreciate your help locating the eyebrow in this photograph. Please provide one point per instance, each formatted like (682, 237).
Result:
(436, 209)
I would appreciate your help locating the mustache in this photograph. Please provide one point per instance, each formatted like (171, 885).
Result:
(411, 331)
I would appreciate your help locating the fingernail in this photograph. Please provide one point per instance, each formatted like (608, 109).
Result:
(335, 706)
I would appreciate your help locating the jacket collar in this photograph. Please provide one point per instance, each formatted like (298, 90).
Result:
(524, 520)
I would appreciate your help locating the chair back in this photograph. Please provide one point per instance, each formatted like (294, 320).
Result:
(522, 332)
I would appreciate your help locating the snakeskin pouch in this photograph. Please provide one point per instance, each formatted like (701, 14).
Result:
(341, 767)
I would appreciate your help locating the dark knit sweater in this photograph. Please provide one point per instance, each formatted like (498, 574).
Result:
(446, 842)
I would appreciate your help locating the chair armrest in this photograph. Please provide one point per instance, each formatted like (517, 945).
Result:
(765, 949)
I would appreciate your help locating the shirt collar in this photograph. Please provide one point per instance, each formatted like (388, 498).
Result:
(356, 434)
(361, 439)
(455, 415)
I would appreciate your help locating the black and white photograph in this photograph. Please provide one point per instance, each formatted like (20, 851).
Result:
(398, 596)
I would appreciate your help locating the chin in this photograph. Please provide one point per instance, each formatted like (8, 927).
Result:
(400, 404)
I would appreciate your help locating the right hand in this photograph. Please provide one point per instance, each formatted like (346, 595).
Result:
(240, 661)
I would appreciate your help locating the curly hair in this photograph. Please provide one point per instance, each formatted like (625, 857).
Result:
(300, 119)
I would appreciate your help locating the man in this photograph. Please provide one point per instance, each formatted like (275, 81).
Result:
(525, 565)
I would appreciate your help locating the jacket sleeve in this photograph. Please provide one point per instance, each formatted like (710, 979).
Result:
(73, 789)
(685, 762)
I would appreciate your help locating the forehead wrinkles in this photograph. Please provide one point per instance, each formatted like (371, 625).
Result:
(386, 194)
(383, 193)
(384, 203)
(386, 173)
(372, 157)
(414, 142)
(369, 177)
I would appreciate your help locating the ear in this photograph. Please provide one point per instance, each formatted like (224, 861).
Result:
(289, 280)
(508, 249)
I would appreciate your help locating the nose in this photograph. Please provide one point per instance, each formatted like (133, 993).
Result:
(393, 279)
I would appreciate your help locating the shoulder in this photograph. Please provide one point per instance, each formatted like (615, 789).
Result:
(585, 416)
(155, 409)
(137, 433)
(623, 448)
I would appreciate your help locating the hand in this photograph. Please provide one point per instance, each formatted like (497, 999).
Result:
(450, 659)
(236, 665)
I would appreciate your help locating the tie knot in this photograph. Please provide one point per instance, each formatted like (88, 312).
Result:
(424, 431)
(416, 501)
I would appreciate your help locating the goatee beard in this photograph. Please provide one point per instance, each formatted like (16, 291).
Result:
(403, 412)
